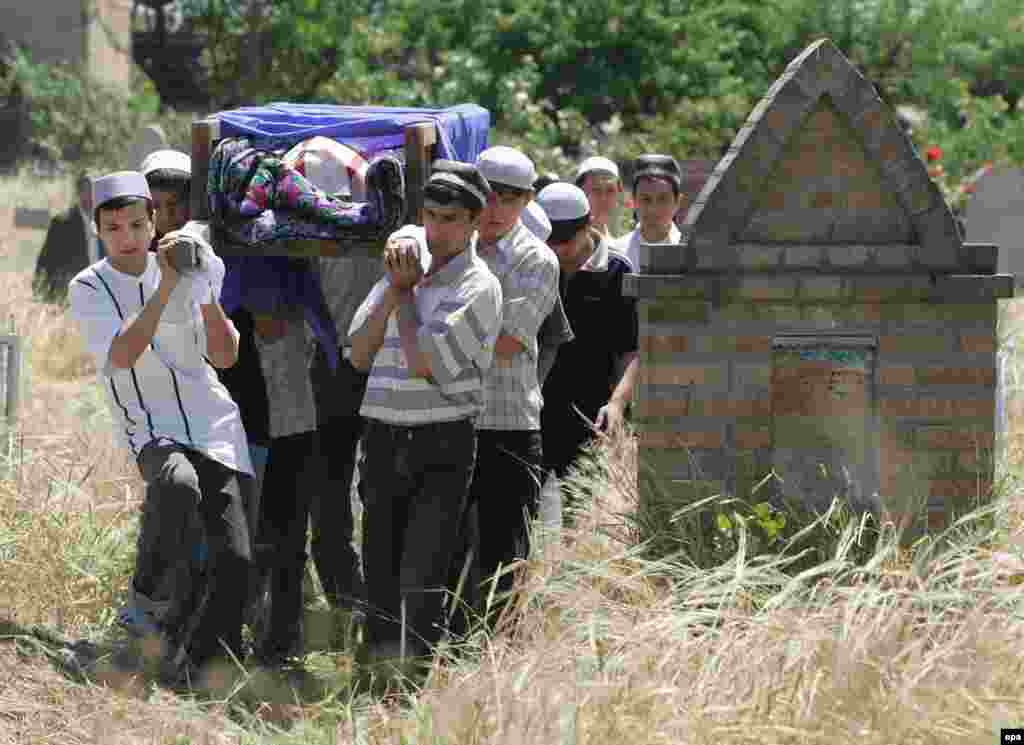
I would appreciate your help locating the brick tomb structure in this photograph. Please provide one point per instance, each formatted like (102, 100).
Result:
(822, 317)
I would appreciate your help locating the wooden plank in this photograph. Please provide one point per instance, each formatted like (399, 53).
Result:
(419, 143)
(204, 133)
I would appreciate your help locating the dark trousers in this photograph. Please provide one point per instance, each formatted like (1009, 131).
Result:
(193, 501)
(414, 482)
(338, 396)
(505, 494)
(565, 437)
(289, 483)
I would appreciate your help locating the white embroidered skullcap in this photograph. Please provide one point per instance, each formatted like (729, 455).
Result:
(597, 164)
(563, 202)
(170, 160)
(506, 166)
(536, 221)
(119, 184)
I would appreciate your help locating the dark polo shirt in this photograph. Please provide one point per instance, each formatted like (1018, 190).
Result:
(605, 327)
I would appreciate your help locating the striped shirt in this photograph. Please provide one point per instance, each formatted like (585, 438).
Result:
(459, 309)
(171, 391)
(528, 272)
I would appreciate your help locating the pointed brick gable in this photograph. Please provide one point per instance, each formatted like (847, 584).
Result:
(821, 160)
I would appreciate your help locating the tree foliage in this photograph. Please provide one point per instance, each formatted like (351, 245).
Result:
(260, 50)
(615, 76)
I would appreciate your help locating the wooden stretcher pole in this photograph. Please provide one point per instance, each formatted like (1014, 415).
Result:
(204, 133)
(419, 141)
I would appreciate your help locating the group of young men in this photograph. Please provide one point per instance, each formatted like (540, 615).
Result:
(478, 357)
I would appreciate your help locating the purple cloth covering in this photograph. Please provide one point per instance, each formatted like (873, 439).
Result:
(265, 284)
(462, 129)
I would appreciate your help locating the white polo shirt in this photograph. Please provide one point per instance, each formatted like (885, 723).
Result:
(171, 391)
(629, 244)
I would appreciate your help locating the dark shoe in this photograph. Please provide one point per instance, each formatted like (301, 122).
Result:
(382, 670)
(279, 653)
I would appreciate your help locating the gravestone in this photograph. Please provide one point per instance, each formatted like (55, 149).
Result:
(10, 376)
(995, 214)
(32, 217)
(822, 318)
(149, 139)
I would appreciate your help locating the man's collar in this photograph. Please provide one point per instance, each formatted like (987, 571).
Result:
(447, 274)
(598, 261)
(674, 235)
(504, 243)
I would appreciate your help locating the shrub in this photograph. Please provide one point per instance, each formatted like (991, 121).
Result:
(80, 120)
(695, 524)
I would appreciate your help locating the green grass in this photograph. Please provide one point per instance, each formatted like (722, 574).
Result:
(637, 625)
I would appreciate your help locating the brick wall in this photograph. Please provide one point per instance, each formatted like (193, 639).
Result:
(711, 405)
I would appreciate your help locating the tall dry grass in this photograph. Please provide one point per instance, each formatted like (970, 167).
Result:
(603, 644)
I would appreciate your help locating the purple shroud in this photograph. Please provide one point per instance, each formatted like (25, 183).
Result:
(265, 284)
(462, 129)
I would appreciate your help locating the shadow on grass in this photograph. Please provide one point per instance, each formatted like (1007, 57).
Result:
(130, 665)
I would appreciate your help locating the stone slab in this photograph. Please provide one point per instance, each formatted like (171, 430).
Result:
(31, 217)
(995, 214)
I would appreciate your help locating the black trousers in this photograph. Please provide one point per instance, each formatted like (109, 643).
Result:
(505, 493)
(414, 483)
(338, 396)
(565, 438)
(289, 483)
(565, 435)
(193, 501)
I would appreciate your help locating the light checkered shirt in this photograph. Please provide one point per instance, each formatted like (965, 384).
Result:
(285, 364)
(528, 272)
(459, 308)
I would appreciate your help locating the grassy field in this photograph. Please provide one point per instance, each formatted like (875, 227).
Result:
(604, 646)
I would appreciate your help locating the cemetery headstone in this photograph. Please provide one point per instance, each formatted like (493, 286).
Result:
(150, 138)
(32, 217)
(995, 214)
(822, 319)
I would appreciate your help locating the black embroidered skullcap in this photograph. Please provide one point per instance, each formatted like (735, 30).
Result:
(452, 180)
(658, 166)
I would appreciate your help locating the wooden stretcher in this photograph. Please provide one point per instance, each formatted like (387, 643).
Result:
(420, 139)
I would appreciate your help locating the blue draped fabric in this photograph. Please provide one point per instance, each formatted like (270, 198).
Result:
(269, 284)
(462, 129)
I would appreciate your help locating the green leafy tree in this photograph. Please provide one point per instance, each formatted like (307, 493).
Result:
(263, 50)
(601, 58)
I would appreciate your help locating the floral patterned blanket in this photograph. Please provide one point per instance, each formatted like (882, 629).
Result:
(256, 199)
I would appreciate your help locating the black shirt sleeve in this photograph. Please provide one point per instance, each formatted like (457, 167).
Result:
(627, 330)
(244, 381)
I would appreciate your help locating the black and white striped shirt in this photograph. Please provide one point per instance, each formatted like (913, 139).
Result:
(171, 391)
